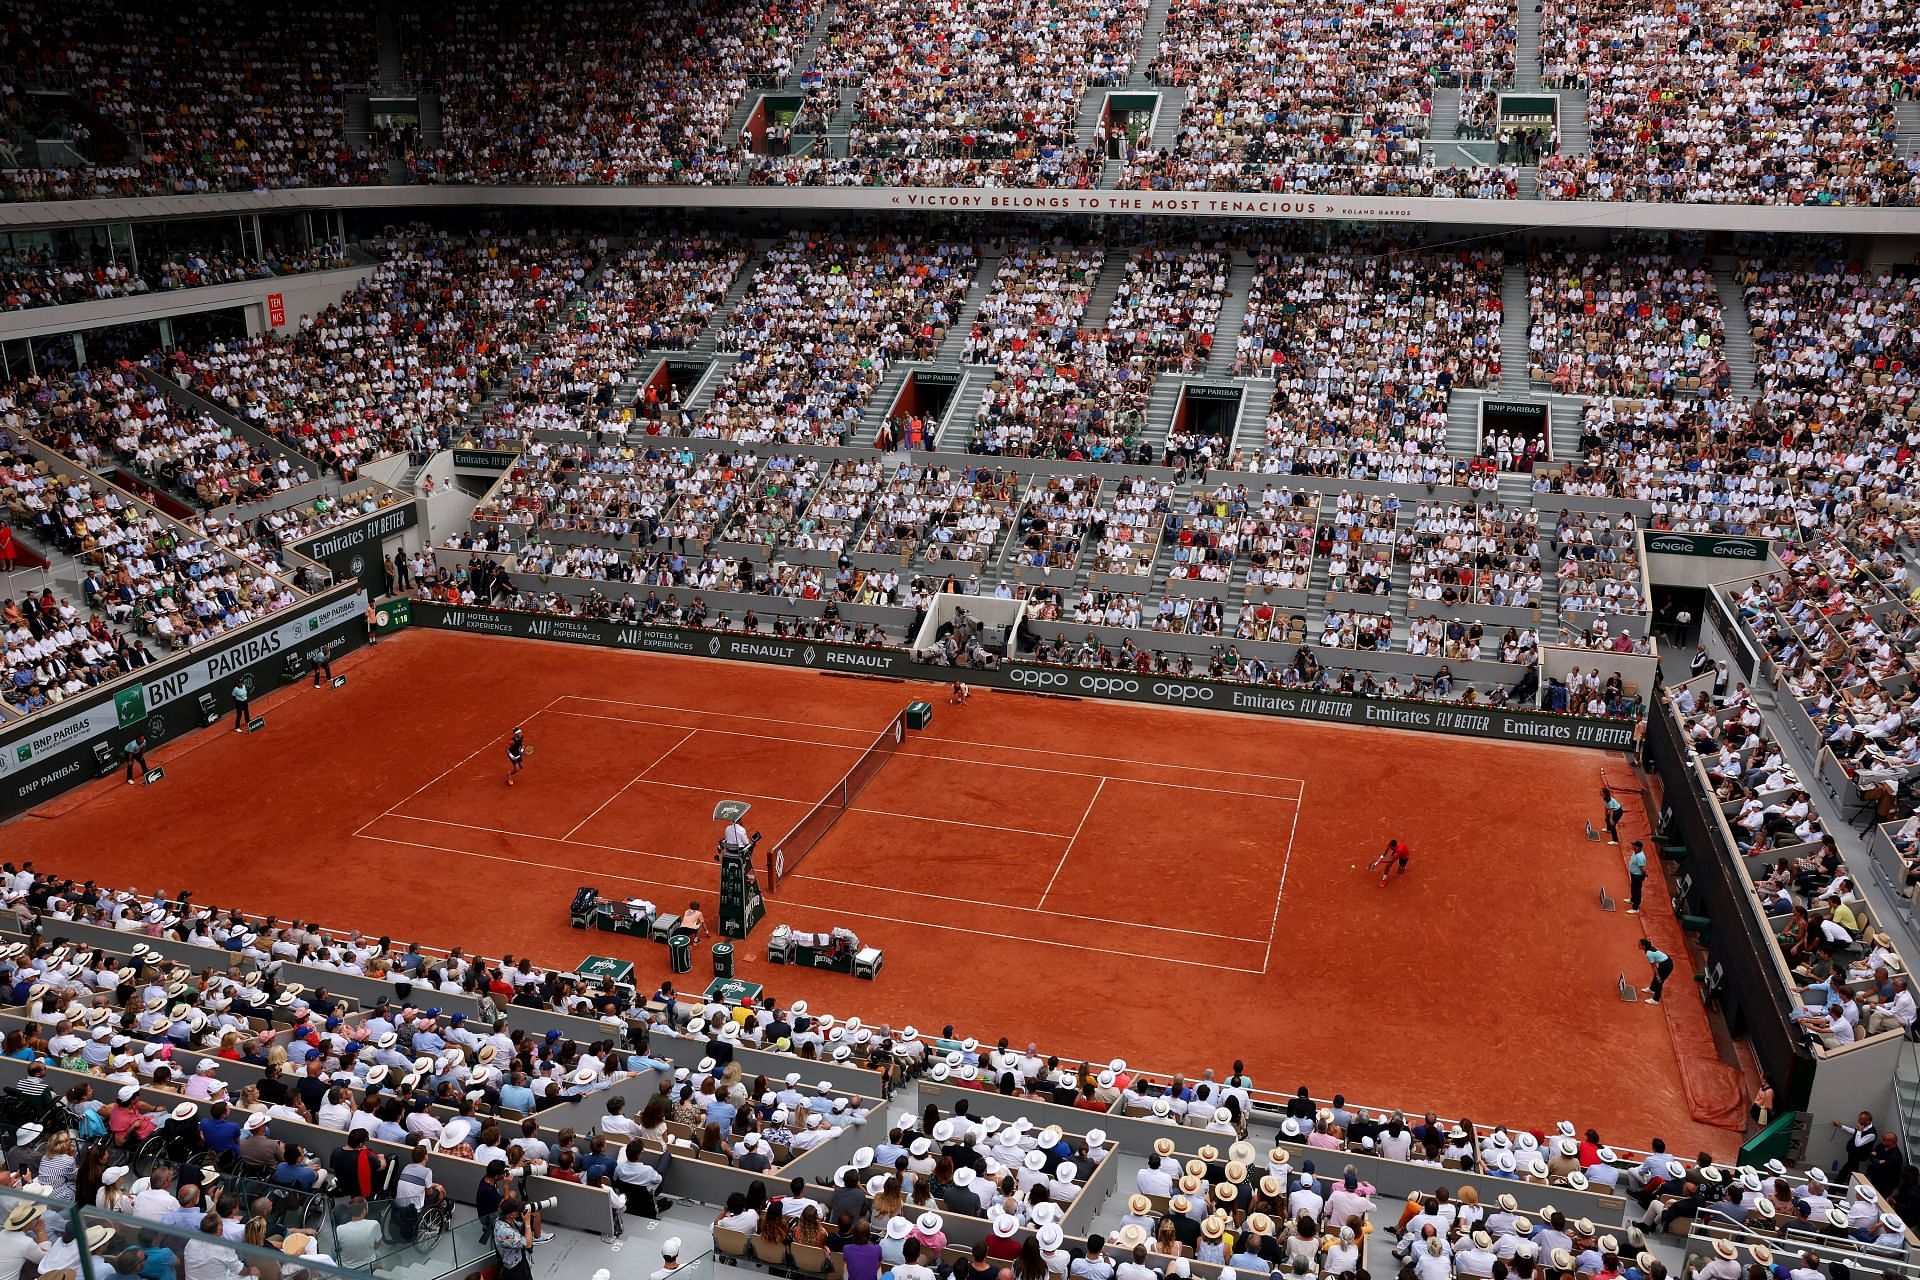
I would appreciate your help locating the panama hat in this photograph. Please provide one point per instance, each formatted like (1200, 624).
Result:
(1139, 1205)
(1006, 1226)
(23, 1216)
(1726, 1250)
(898, 1229)
(1132, 1236)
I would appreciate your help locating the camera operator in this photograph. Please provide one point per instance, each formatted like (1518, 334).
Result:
(514, 1235)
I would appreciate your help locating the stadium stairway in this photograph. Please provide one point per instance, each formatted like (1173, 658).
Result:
(1526, 49)
(1733, 305)
(1166, 120)
(358, 130)
(957, 426)
(1250, 427)
(1105, 289)
(955, 341)
(641, 366)
(1233, 315)
(386, 30)
(1573, 122)
(1152, 27)
(1514, 323)
(1161, 403)
(1086, 126)
(429, 119)
(1906, 120)
(803, 57)
(1444, 121)
(1563, 426)
(882, 399)
(710, 382)
(1463, 422)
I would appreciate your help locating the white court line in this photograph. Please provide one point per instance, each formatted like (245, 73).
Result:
(636, 777)
(1273, 925)
(1101, 786)
(885, 813)
(828, 880)
(460, 763)
(807, 906)
(970, 742)
(731, 733)
(912, 753)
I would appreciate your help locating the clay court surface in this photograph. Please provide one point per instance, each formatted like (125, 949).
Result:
(1174, 887)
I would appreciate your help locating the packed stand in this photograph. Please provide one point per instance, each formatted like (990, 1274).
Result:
(957, 96)
(1054, 521)
(1280, 534)
(1472, 554)
(1683, 105)
(224, 97)
(1599, 564)
(40, 280)
(1625, 322)
(111, 417)
(1282, 96)
(1842, 639)
(1127, 535)
(594, 92)
(1365, 344)
(821, 321)
(400, 361)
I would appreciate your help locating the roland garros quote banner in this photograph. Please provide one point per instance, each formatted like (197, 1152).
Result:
(1172, 691)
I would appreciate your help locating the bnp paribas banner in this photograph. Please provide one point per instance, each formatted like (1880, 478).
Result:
(48, 753)
(1171, 691)
(1668, 543)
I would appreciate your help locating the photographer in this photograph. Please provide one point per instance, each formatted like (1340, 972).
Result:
(514, 1235)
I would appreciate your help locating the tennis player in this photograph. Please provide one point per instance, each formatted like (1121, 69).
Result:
(516, 753)
(1396, 852)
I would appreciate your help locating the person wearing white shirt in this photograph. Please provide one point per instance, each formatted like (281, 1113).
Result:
(1156, 1179)
(1896, 1013)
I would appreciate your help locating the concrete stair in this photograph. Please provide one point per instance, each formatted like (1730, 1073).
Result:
(1573, 122)
(1152, 27)
(1233, 315)
(1906, 119)
(1444, 123)
(1086, 126)
(358, 130)
(882, 399)
(1733, 305)
(1516, 490)
(1105, 289)
(716, 374)
(1563, 426)
(1166, 121)
(392, 59)
(1514, 325)
(430, 132)
(803, 57)
(957, 427)
(1526, 48)
(955, 341)
(1161, 403)
(1250, 428)
(1463, 423)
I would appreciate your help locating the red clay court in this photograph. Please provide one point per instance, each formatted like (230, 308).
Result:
(1175, 887)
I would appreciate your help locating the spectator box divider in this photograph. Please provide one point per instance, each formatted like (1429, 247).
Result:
(1394, 1179)
(365, 992)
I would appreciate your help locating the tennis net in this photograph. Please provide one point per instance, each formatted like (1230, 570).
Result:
(813, 827)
